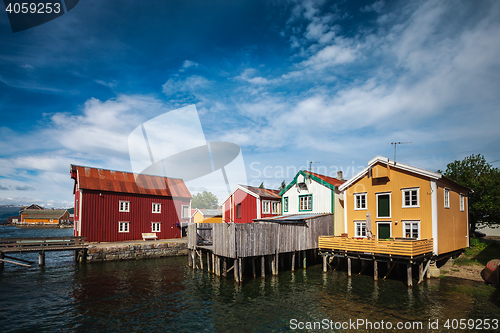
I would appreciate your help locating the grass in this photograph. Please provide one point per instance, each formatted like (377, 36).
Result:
(479, 253)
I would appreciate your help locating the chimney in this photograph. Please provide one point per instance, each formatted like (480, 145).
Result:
(339, 175)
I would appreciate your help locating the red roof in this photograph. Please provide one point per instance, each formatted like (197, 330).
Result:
(263, 192)
(125, 182)
(329, 180)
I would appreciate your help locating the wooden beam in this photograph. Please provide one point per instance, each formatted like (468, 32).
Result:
(349, 267)
(263, 267)
(305, 260)
(375, 270)
(2, 256)
(236, 270)
(240, 270)
(390, 269)
(208, 263)
(224, 267)
(408, 276)
(325, 267)
(14, 262)
(190, 259)
(253, 267)
(293, 261)
(41, 258)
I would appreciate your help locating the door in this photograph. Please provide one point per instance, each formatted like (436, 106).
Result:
(384, 230)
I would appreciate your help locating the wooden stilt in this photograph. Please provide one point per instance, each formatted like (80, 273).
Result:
(375, 270)
(293, 261)
(390, 269)
(213, 261)
(193, 256)
(263, 267)
(273, 265)
(240, 270)
(253, 267)
(277, 257)
(325, 267)
(208, 263)
(420, 272)
(408, 275)
(304, 265)
(428, 270)
(349, 267)
(218, 265)
(190, 259)
(236, 268)
(224, 271)
(201, 259)
(1, 261)
(41, 258)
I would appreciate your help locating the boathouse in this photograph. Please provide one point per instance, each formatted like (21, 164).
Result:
(395, 212)
(207, 216)
(113, 206)
(246, 203)
(44, 216)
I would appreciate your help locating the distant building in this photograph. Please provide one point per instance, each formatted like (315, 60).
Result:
(44, 216)
(246, 203)
(115, 206)
(207, 216)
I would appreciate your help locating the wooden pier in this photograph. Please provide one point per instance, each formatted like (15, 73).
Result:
(259, 247)
(40, 245)
(392, 252)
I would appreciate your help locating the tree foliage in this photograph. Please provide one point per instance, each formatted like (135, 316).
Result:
(205, 200)
(261, 185)
(282, 186)
(484, 180)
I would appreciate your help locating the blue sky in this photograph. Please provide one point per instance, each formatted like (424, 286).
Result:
(288, 81)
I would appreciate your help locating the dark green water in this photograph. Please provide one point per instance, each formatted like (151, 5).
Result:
(164, 295)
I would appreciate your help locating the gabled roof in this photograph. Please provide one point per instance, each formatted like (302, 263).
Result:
(397, 165)
(43, 214)
(210, 212)
(125, 182)
(32, 206)
(257, 192)
(327, 181)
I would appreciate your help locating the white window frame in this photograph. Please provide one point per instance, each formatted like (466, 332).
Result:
(361, 223)
(155, 226)
(124, 206)
(156, 208)
(462, 202)
(308, 203)
(405, 222)
(446, 198)
(403, 196)
(185, 209)
(360, 195)
(390, 205)
(123, 227)
(266, 207)
(275, 207)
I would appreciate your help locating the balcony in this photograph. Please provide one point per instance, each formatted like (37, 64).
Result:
(393, 247)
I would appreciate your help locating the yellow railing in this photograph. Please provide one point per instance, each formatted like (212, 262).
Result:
(401, 247)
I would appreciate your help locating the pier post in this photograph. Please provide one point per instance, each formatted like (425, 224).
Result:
(420, 272)
(1, 261)
(293, 261)
(375, 270)
(277, 257)
(208, 263)
(190, 259)
(201, 259)
(193, 257)
(253, 268)
(273, 265)
(218, 265)
(305, 260)
(349, 267)
(408, 273)
(263, 267)
(224, 267)
(240, 270)
(235, 270)
(41, 258)
(325, 268)
(213, 263)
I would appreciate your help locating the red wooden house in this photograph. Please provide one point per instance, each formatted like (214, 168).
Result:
(113, 206)
(246, 203)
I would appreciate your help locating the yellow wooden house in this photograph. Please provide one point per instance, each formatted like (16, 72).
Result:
(44, 216)
(397, 209)
(207, 216)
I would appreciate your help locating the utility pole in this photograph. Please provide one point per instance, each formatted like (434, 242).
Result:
(395, 144)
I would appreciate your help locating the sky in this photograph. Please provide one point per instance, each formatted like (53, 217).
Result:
(290, 82)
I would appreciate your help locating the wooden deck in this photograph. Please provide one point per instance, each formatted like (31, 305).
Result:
(402, 247)
(16, 245)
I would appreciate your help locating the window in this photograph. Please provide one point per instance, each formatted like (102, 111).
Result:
(155, 226)
(305, 202)
(123, 226)
(383, 205)
(285, 204)
(360, 229)
(276, 207)
(359, 201)
(124, 206)
(266, 207)
(446, 198)
(156, 208)
(462, 202)
(238, 211)
(411, 197)
(185, 212)
(411, 229)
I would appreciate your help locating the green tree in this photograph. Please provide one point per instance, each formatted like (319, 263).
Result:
(484, 180)
(282, 186)
(261, 185)
(205, 200)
